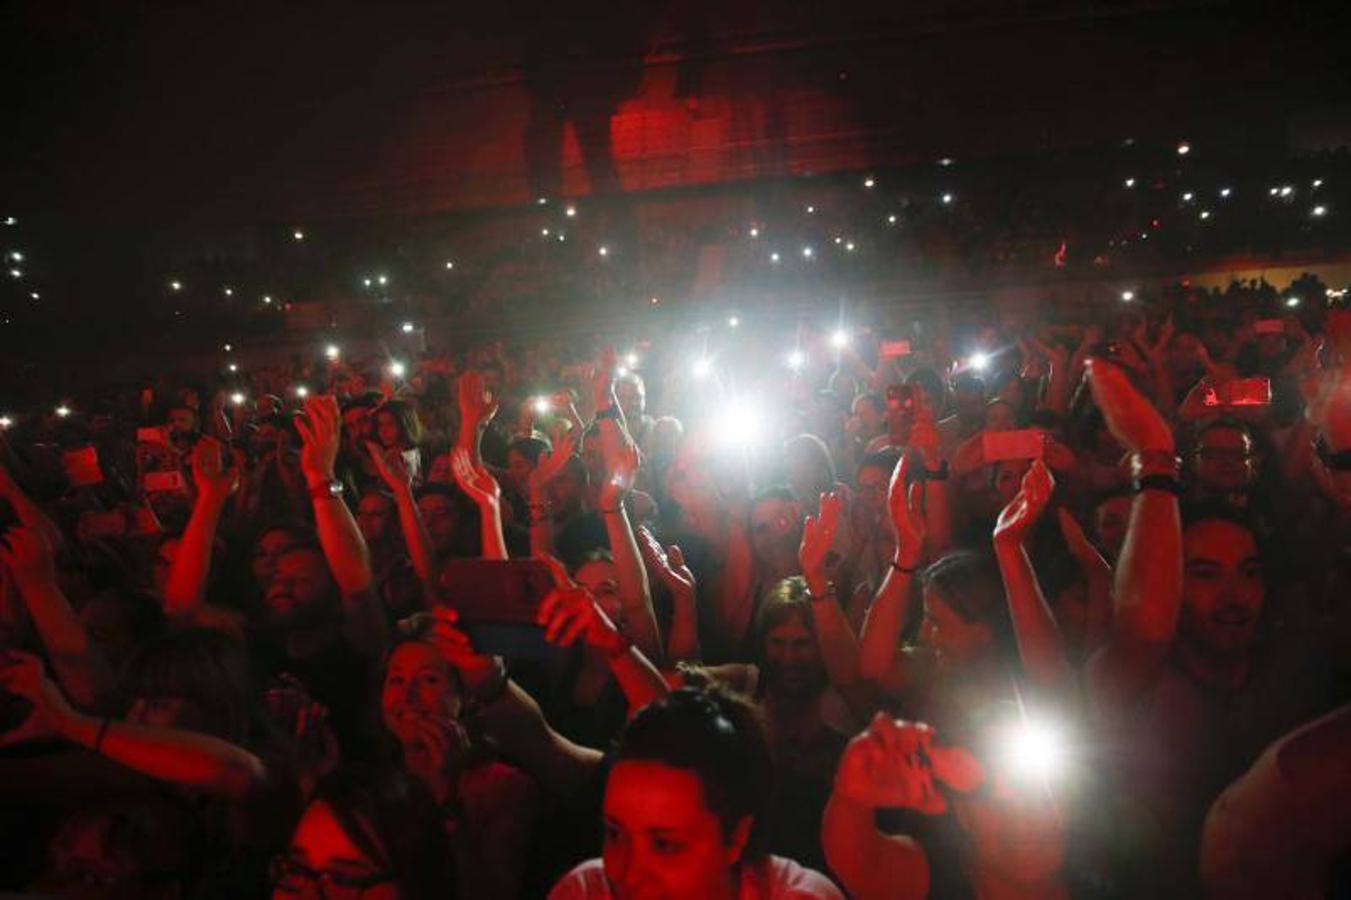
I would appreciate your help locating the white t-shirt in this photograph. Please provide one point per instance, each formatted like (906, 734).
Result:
(772, 878)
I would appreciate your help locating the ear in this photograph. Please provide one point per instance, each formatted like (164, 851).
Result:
(736, 841)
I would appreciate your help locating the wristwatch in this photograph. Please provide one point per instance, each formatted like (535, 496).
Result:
(333, 488)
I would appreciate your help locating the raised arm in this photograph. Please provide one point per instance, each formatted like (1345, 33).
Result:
(512, 718)
(682, 641)
(1148, 592)
(834, 637)
(892, 764)
(635, 595)
(880, 644)
(28, 557)
(550, 466)
(344, 548)
(570, 612)
(183, 758)
(394, 471)
(1098, 577)
(937, 503)
(1040, 646)
(185, 589)
(477, 408)
(29, 514)
(483, 489)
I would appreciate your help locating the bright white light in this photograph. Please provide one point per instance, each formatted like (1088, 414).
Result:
(978, 361)
(807, 252)
(733, 321)
(1183, 148)
(268, 299)
(229, 292)
(810, 210)
(562, 237)
(10, 220)
(1225, 192)
(6, 421)
(383, 279)
(702, 367)
(298, 235)
(16, 256)
(1130, 182)
(891, 219)
(945, 161)
(570, 212)
(621, 371)
(233, 367)
(332, 351)
(849, 246)
(1273, 192)
(1318, 182)
(450, 264)
(542, 200)
(407, 327)
(796, 360)
(542, 406)
(544, 232)
(1205, 214)
(237, 398)
(35, 295)
(868, 182)
(16, 273)
(631, 360)
(1128, 296)
(63, 410)
(175, 285)
(367, 282)
(228, 347)
(397, 369)
(754, 232)
(838, 240)
(739, 425)
(774, 257)
(839, 338)
(1034, 750)
(1286, 191)
(947, 198)
(1187, 197)
(1320, 210)
(603, 250)
(1292, 302)
(302, 391)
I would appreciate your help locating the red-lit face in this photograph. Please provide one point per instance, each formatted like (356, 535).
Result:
(418, 685)
(323, 860)
(182, 422)
(870, 423)
(955, 642)
(1222, 588)
(793, 660)
(662, 842)
(872, 492)
(438, 514)
(519, 468)
(265, 554)
(357, 427)
(301, 591)
(374, 512)
(167, 712)
(1224, 460)
(776, 529)
(388, 431)
(1009, 478)
(598, 576)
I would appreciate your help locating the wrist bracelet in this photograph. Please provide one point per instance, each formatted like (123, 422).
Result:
(939, 474)
(102, 733)
(1157, 483)
(1151, 463)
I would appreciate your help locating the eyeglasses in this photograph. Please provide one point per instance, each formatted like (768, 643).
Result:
(291, 877)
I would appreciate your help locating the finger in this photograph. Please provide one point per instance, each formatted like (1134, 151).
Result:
(675, 556)
(916, 497)
(574, 629)
(548, 605)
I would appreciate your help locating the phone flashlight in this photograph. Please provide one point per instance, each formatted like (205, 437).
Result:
(1034, 750)
(702, 368)
(796, 360)
(631, 360)
(397, 369)
(839, 338)
(63, 411)
(6, 421)
(237, 398)
(332, 351)
(542, 406)
(978, 361)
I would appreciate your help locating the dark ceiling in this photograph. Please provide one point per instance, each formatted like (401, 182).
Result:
(166, 115)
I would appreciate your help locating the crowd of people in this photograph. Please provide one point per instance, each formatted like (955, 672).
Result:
(1021, 608)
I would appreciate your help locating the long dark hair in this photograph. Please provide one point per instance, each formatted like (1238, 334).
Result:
(719, 738)
(393, 820)
(204, 665)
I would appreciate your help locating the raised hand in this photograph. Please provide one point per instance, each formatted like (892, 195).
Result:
(21, 674)
(818, 534)
(924, 434)
(321, 437)
(552, 463)
(391, 466)
(26, 553)
(213, 477)
(895, 764)
(474, 479)
(570, 612)
(621, 466)
(1130, 417)
(907, 516)
(457, 650)
(1026, 508)
(668, 565)
(602, 378)
(477, 404)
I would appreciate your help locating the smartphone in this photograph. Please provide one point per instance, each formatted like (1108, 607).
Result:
(1239, 392)
(156, 435)
(1025, 443)
(499, 592)
(163, 482)
(82, 466)
(893, 349)
(1268, 326)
